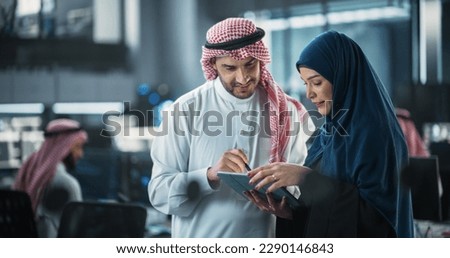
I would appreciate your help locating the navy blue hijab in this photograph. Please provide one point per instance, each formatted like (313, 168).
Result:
(361, 142)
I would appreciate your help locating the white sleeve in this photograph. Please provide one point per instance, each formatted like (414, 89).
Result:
(301, 130)
(170, 179)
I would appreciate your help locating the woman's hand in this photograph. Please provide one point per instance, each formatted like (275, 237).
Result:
(278, 174)
(279, 209)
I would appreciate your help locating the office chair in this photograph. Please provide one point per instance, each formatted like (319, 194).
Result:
(16, 215)
(442, 151)
(421, 175)
(99, 219)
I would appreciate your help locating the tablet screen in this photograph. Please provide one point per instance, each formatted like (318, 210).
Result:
(239, 183)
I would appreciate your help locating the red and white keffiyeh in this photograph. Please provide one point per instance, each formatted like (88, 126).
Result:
(39, 169)
(235, 28)
(416, 146)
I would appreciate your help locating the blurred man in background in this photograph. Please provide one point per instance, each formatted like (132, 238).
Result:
(45, 174)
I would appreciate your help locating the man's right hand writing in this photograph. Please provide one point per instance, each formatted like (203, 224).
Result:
(233, 160)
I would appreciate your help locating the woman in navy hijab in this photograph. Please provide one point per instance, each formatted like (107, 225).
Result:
(350, 183)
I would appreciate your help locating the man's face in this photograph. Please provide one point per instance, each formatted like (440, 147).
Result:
(75, 154)
(239, 77)
(77, 150)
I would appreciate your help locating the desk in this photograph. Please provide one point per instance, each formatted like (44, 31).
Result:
(431, 229)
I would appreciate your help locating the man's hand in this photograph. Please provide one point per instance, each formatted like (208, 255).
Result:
(231, 161)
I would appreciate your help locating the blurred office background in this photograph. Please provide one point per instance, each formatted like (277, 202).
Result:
(113, 65)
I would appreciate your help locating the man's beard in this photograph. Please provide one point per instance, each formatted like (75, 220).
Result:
(69, 162)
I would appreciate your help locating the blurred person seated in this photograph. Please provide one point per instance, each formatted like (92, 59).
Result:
(415, 143)
(416, 146)
(46, 177)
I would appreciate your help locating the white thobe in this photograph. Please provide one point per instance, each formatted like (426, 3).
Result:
(188, 143)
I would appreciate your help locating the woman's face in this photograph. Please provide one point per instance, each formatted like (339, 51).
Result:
(318, 89)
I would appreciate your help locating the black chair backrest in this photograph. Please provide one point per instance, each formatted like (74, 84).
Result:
(16, 215)
(442, 150)
(421, 175)
(100, 219)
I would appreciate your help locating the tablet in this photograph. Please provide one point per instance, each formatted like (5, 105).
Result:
(239, 183)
